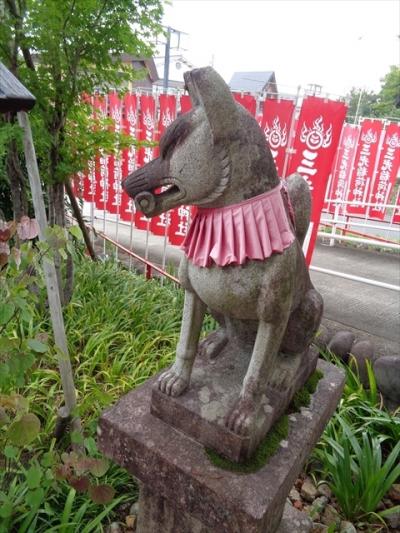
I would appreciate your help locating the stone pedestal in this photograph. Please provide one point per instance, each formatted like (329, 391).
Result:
(183, 492)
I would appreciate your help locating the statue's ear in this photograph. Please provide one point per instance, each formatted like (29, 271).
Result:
(208, 90)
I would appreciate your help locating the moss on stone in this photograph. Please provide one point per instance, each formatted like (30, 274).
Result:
(266, 449)
(272, 440)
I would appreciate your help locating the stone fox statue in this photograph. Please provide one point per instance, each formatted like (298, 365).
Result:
(243, 258)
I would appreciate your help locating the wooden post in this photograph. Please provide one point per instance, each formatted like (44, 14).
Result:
(57, 320)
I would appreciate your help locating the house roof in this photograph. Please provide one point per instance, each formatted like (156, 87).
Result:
(251, 81)
(13, 95)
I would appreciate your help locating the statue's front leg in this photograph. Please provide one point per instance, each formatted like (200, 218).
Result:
(176, 380)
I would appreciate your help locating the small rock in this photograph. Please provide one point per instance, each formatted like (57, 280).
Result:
(318, 507)
(381, 506)
(294, 494)
(322, 337)
(134, 508)
(114, 527)
(341, 344)
(324, 490)
(298, 504)
(294, 521)
(393, 520)
(308, 490)
(394, 493)
(387, 373)
(319, 528)
(363, 351)
(347, 527)
(130, 521)
(330, 516)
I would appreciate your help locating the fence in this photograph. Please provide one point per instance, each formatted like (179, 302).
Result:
(309, 139)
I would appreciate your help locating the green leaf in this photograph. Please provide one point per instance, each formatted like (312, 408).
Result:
(6, 312)
(37, 346)
(33, 476)
(76, 437)
(6, 509)
(99, 467)
(4, 418)
(76, 232)
(24, 431)
(101, 494)
(34, 498)
(11, 452)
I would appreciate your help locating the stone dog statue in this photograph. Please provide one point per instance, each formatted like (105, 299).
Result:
(243, 258)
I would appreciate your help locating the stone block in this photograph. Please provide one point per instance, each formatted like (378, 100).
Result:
(183, 491)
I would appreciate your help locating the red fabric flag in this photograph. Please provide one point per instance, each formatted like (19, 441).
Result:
(129, 126)
(276, 122)
(145, 154)
(101, 163)
(396, 211)
(247, 101)
(342, 167)
(179, 224)
(185, 103)
(115, 160)
(387, 169)
(317, 136)
(364, 166)
(167, 103)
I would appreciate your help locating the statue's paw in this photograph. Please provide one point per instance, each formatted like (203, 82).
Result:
(212, 345)
(241, 418)
(172, 384)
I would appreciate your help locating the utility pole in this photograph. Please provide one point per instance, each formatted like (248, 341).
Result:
(167, 53)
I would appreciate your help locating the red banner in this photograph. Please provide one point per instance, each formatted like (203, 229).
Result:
(247, 101)
(167, 104)
(101, 164)
(185, 103)
(317, 136)
(364, 166)
(115, 160)
(145, 153)
(276, 121)
(179, 224)
(385, 177)
(342, 167)
(396, 211)
(129, 127)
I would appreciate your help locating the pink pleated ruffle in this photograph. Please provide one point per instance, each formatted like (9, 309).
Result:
(252, 229)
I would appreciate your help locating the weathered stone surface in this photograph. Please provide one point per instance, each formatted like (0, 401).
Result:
(215, 385)
(322, 337)
(294, 494)
(387, 373)
(394, 520)
(330, 516)
(308, 490)
(317, 507)
(363, 351)
(341, 344)
(347, 527)
(294, 521)
(177, 472)
(324, 490)
(394, 493)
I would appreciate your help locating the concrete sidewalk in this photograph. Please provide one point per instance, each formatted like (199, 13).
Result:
(369, 310)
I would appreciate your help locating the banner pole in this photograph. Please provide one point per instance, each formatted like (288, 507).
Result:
(291, 134)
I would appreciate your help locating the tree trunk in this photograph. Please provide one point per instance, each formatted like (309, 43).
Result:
(79, 218)
(17, 182)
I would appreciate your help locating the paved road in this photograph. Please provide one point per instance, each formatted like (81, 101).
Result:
(353, 304)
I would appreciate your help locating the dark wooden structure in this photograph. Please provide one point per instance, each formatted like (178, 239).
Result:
(13, 95)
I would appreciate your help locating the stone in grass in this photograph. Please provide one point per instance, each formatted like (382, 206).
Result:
(317, 507)
(341, 344)
(347, 527)
(394, 493)
(387, 374)
(322, 337)
(330, 516)
(393, 520)
(294, 494)
(319, 528)
(363, 351)
(323, 489)
(308, 490)
(294, 521)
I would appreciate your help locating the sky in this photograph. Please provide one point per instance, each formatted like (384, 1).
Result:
(338, 44)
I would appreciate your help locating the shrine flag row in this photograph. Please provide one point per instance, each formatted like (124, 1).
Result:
(306, 144)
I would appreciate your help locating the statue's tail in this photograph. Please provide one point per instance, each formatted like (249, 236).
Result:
(300, 199)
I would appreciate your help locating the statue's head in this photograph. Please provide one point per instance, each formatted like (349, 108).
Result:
(201, 152)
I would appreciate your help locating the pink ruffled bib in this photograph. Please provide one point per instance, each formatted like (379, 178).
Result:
(252, 229)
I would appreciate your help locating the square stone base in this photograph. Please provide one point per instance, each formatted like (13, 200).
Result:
(176, 471)
(214, 388)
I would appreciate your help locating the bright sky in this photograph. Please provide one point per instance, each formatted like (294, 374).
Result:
(334, 43)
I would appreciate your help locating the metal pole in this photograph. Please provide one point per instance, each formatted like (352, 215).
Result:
(166, 60)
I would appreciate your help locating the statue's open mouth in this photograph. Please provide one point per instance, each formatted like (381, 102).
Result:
(153, 195)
